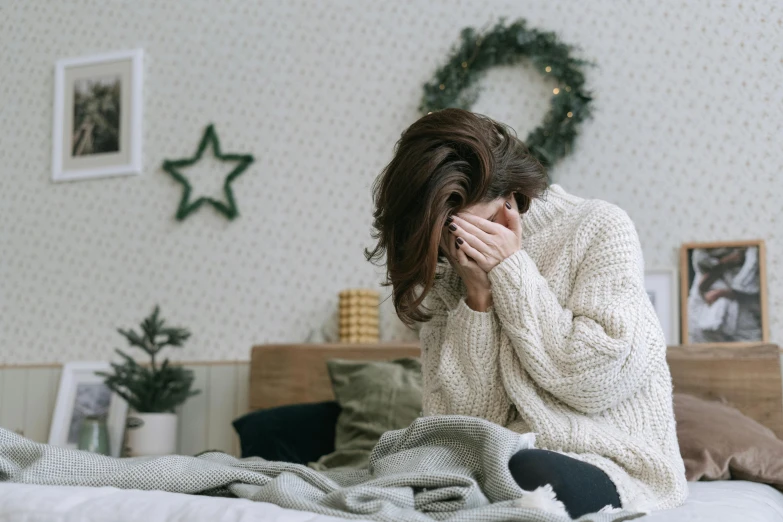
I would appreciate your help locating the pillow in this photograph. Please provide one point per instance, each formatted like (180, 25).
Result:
(375, 397)
(718, 442)
(297, 433)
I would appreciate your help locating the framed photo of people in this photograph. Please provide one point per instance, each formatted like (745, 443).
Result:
(724, 293)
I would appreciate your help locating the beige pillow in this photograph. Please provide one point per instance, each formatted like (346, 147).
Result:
(718, 442)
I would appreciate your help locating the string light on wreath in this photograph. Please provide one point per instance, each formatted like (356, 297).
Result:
(455, 84)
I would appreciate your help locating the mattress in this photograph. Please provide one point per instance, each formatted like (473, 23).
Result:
(721, 501)
(30, 503)
(725, 501)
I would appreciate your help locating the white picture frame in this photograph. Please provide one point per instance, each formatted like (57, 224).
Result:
(91, 139)
(77, 380)
(661, 286)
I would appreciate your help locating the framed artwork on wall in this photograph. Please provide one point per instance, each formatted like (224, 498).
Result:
(724, 292)
(97, 116)
(82, 394)
(661, 287)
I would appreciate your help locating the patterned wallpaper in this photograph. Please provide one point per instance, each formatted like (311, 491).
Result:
(686, 137)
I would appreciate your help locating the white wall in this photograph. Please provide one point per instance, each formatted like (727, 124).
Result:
(686, 137)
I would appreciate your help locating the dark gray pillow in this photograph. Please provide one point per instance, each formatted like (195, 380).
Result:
(298, 433)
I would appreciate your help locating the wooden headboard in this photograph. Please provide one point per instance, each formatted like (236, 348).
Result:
(296, 373)
(747, 377)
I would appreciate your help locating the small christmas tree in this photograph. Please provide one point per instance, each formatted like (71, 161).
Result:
(157, 388)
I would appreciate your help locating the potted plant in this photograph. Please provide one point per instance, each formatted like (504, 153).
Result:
(153, 391)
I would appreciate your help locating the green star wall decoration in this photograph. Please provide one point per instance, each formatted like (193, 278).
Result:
(186, 206)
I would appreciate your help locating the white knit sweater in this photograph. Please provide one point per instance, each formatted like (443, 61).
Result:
(571, 349)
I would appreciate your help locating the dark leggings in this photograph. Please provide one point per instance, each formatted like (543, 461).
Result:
(581, 487)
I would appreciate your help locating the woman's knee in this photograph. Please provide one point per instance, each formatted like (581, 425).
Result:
(532, 468)
(581, 487)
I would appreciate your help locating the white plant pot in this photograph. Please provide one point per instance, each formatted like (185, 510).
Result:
(151, 434)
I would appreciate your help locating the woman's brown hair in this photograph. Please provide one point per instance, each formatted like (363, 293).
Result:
(446, 161)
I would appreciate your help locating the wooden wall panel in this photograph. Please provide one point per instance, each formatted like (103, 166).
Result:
(39, 402)
(221, 404)
(28, 395)
(12, 399)
(54, 387)
(193, 418)
(242, 399)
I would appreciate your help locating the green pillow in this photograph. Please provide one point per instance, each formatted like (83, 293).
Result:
(375, 397)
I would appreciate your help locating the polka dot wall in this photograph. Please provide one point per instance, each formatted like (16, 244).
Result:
(687, 137)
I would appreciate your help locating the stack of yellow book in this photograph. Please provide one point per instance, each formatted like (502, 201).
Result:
(359, 315)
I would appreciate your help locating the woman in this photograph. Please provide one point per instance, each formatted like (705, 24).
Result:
(535, 314)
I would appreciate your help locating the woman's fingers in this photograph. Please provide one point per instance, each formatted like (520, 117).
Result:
(467, 250)
(449, 245)
(469, 238)
(476, 225)
(454, 254)
(470, 228)
(462, 247)
(462, 259)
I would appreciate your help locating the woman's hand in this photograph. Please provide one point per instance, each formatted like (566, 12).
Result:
(476, 281)
(485, 242)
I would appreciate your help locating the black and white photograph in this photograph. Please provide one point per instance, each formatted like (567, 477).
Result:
(92, 399)
(82, 393)
(723, 292)
(97, 116)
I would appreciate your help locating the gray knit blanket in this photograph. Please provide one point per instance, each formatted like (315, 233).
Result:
(442, 467)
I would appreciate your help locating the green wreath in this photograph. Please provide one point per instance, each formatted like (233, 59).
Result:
(455, 84)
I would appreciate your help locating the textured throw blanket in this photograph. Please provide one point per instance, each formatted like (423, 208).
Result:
(443, 467)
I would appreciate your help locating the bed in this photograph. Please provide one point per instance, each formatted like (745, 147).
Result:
(720, 501)
(748, 377)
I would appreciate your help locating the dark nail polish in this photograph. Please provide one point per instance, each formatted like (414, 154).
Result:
(449, 220)
(452, 227)
(460, 240)
(456, 244)
(508, 205)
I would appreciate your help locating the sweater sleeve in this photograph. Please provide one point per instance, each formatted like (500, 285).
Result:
(596, 348)
(460, 348)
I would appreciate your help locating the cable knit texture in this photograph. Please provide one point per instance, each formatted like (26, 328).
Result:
(571, 349)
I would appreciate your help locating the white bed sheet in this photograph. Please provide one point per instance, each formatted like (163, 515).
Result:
(725, 501)
(722, 501)
(30, 503)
